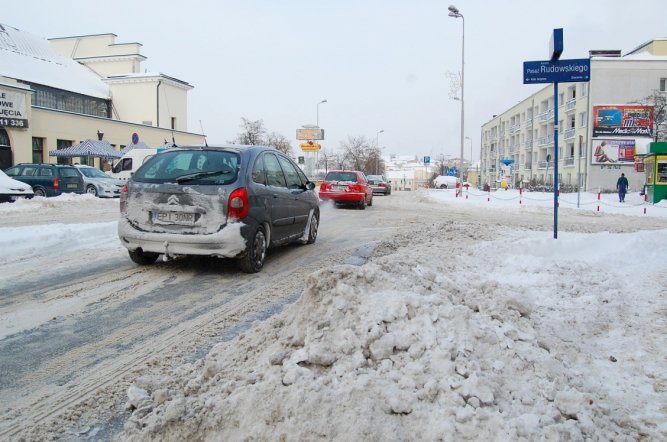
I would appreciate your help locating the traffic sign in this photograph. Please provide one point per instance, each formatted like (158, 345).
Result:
(561, 71)
(427, 159)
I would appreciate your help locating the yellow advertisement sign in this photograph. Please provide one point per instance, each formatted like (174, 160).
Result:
(310, 146)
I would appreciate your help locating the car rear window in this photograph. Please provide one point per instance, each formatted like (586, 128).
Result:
(68, 172)
(341, 176)
(191, 167)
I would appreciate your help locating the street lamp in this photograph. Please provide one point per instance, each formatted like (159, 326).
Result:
(468, 138)
(317, 123)
(454, 12)
(377, 147)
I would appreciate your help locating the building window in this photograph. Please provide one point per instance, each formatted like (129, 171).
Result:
(584, 89)
(583, 119)
(52, 98)
(37, 150)
(62, 144)
(663, 85)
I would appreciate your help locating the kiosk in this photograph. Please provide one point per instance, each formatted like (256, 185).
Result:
(655, 168)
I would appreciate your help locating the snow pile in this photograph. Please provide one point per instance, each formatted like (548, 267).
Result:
(407, 348)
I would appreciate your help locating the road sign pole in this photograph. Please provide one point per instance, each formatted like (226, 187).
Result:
(555, 159)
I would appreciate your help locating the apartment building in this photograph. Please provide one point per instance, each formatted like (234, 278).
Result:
(607, 113)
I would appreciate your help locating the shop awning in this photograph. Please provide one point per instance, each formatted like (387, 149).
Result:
(88, 148)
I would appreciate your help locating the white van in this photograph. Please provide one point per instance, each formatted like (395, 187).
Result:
(446, 182)
(131, 161)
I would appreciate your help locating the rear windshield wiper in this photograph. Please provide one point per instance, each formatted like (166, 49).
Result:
(196, 176)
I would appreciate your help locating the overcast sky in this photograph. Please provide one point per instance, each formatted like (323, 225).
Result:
(381, 65)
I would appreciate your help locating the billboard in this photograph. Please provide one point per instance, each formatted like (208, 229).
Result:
(607, 151)
(310, 134)
(623, 121)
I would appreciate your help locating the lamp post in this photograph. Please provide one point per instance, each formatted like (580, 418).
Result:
(377, 147)
(470, 165)
(454, 12)
(317, 123)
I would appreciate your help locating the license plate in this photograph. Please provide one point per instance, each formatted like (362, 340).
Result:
(339, 187)
(173, 218)
(72, 185)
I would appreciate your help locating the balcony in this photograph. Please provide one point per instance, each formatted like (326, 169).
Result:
(545, 164)
(515, 128)
(528, 123)
(528, 144)
(568, 162)
(543, 141)
(570, 104)
(528, 165)
(569, 134)
(546, 116)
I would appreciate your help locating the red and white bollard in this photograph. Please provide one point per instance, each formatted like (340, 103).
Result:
(558, 198)
(520, 193)
(598, 201)
(645, 200)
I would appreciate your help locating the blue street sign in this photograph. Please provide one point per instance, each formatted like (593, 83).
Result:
(427, 159)
(561, 71)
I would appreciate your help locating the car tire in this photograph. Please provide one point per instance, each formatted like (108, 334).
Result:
(143, 258)
(91, 190)
(362, 204)
(39, 191)
(312, 229)
(370, 202)
(443, 186)
(253, 259)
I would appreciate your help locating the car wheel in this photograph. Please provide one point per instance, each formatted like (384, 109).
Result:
(443, 186)
(253, 260)
(39, 191)
(91, 190)
(143, 258)
(362, 204)
(370, 201)
(312, 230)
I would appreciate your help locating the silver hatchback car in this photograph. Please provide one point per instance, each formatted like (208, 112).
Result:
(224, 201)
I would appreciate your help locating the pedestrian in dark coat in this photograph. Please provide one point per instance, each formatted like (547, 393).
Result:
(622, 187)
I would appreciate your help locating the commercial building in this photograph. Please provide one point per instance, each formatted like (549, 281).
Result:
(603, 125)
(59, 92)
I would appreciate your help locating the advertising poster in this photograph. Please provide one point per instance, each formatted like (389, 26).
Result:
(607, 151)
(623, 121)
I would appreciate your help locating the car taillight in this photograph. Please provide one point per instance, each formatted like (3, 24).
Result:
(123, 198)
(237, 205)
(382, 185)
(355, 188)
(56, 184)
(325, 186)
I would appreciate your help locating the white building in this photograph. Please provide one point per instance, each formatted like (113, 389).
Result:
(59, 92)
(522, 136)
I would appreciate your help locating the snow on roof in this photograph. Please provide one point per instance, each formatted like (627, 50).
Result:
(30, 58)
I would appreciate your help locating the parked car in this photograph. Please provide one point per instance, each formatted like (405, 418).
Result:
(99, 183)
(48, 179)
(131, 161)
(225, 201)
(11, 189)
(379, 184)
(446, 182)
(347, 187)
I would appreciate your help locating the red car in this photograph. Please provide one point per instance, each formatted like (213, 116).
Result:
(347, 187)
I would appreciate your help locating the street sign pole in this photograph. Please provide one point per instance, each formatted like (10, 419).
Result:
(554, 71)
(555, 159)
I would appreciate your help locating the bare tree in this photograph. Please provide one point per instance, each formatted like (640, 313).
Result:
(658, 100)
(279, 142)
(253, 132)
(327, 159)
(356, 152)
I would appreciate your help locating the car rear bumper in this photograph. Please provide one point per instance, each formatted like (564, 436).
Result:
(7, 197)
(346, 197)
(228, 242)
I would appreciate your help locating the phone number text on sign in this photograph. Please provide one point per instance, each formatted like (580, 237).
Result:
(13, 122)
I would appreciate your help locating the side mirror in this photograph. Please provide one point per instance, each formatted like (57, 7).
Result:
(310, 185)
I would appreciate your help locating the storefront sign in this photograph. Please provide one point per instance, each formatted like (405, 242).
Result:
(623, 121)
(13, 112)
